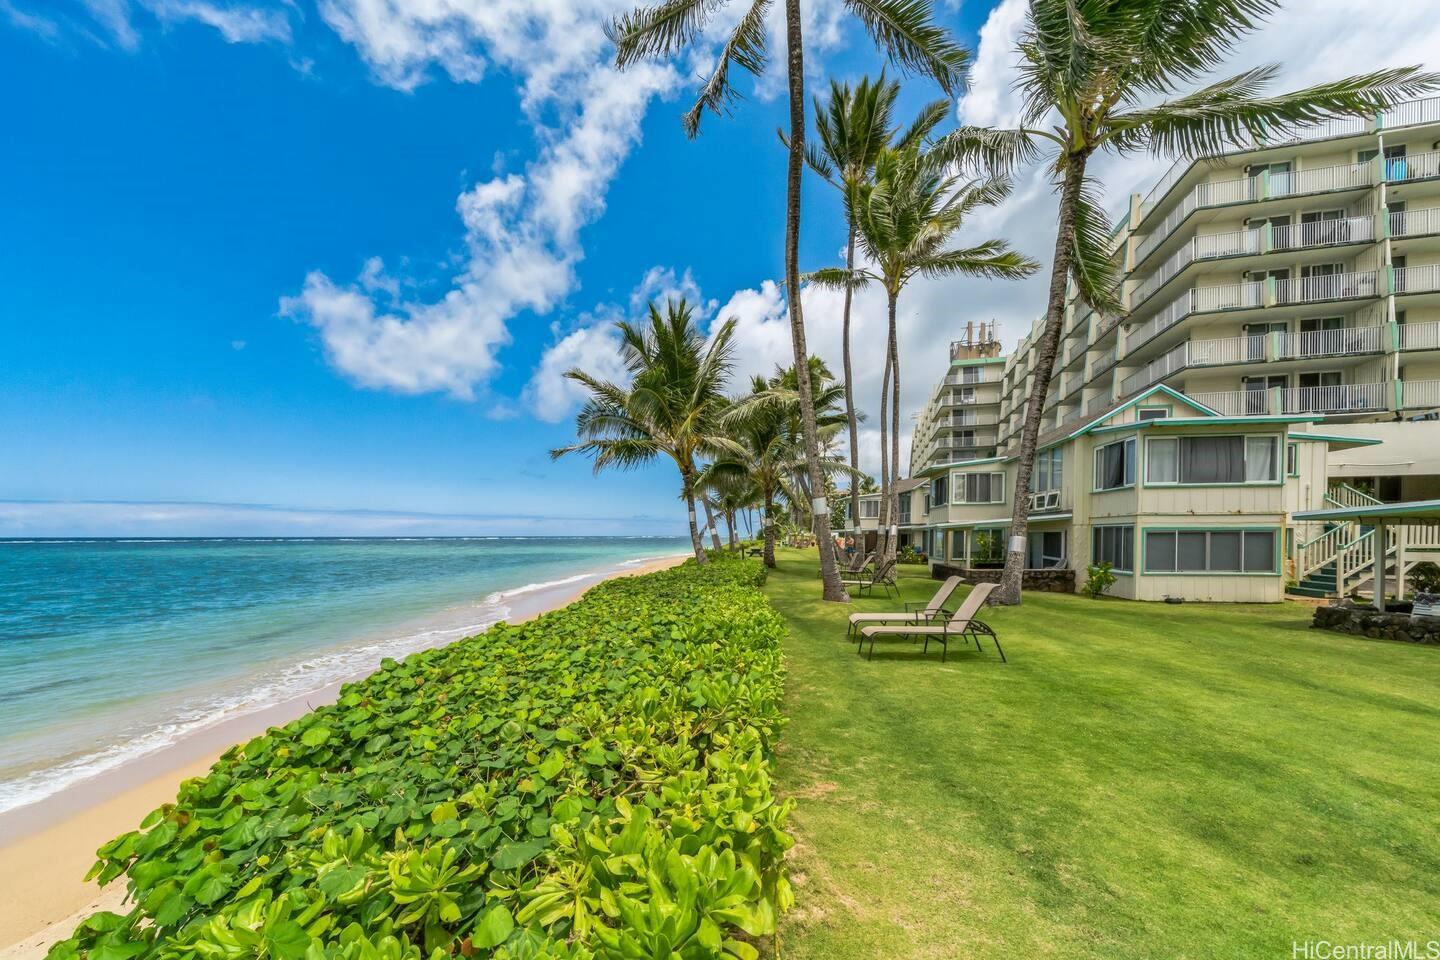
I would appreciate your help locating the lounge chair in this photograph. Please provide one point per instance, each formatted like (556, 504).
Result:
(962, 624)
(915, 612)
(854, 566)
(882, 576)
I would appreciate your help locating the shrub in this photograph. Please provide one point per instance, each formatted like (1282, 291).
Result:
(910, 555)
(1097, 581)
(1424, 577)
(594, 783)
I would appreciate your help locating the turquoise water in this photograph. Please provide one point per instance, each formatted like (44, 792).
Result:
(111, 649)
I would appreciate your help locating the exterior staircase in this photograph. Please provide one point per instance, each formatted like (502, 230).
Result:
(1342, 558)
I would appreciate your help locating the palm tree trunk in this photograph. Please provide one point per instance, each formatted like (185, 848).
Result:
(850, 389)
(730, 532)
(768, 525)
(893, 498)
(687, 480)
(883, 533)
(710, 523)
(1009, 591)
(834, 589)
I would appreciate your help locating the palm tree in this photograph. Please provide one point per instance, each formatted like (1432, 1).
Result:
(1089, 72)
(905, 219)
(672, 405)
(903, 29)
(851, 129)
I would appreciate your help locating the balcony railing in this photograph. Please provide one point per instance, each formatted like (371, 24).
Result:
(1410, 113)
(1333, 343)
(967, 379)
(1229, 296)
(1420, 336)
(1220, 193)
(1420, 394)
(1334, 286)
(1416, 166)
(1424, 279)
(1209, 247)
(1321, 233)
(1415, 223)
(1105, 362)
(969, 418)
(1096, 404)
(1340, 398)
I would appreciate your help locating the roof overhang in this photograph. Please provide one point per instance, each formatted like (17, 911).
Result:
(1414, 511)
(1187, 422)
(1337, 443)
(1001, 521)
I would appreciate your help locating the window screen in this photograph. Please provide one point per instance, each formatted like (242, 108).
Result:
(1210, 551)
(1114, 545)
(1115, 465)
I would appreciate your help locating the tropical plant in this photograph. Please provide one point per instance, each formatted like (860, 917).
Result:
(903, 29)
(1425, 577)
(905, 218)
(1098, 579)
(851, 129)
(1097, 75)
(671, 406)
(593, 784)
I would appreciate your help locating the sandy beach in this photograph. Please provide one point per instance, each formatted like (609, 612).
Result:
(46, 848)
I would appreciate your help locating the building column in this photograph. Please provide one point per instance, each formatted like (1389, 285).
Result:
(1379, 578)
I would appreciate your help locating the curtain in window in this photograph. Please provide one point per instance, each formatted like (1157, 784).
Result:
(1213, 460)
(1260, 459)
(1162, 461)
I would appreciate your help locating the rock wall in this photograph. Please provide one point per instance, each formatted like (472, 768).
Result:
(1366, 621)
(1060, 580)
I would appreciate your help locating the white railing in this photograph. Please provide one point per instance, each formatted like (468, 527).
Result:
(967, 380)
(1424, 279)
(1345, 495)
(1208, 247)
(1097, 404)
(1314, 554)
(1323, 232)
(1333, 343)
(1416, 166)
(1227, 296)
(1342, 176)
(1410, 113)
(1420, 394)
(1335, 286)
(1415, 223)
(1156, 369)
(1420, 336)
(1210, 353)
(1212, 194)
(1105, 362)
(1340, 398)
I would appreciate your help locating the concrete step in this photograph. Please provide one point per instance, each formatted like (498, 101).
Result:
(1304, 591)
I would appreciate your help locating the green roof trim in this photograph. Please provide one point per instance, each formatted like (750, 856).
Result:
(1331, 438)
(977, 361)
(940, 467)
(1427, 511)
(1142, 396)
(1206, 422)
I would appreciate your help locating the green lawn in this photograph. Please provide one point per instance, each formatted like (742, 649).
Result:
(1140, 780)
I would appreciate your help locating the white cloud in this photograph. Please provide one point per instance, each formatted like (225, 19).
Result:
(236, 22)
(991, 101)
(25, 20)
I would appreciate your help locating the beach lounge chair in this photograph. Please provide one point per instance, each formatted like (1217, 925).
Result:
(854, 566)
(915, 612)
(883, 576)
(962, 624)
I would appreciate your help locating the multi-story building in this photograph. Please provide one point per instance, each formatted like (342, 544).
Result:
(961, 419)
(1275, 291)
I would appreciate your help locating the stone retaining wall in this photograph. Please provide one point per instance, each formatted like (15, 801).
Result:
(1366, 621)
(1059, 580)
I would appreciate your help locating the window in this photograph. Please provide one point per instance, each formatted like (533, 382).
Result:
(987, 546)
(957, 544)
(972, 375)
(1049, 473)
(869, 509)
(938, 492)
(904, 508)
(979, 488)
(1152, 413)
(1045, 549)
(1210, 551)
(1222, 460)
(1114, 545)
(1292, 459)
(1115, 465)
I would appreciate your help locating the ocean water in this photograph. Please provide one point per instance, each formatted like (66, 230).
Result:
(113, 649)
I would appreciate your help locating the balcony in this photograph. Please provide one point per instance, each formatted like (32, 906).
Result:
(1415, 223)
(1103, 363)
(1420, 336)
(967, 419)
(1416, 166)
(1351, 285)
(968, 377)
(1411, 113)
(1424, 279)
(1268, 186)
(1340, 398)
(1419, 394)
(1211, 247)
(1230, 296)
(1344, 342)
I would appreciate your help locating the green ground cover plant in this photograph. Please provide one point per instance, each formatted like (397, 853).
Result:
(1140, 781)
(592, 784)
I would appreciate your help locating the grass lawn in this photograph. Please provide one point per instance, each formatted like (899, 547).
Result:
(1140, 780)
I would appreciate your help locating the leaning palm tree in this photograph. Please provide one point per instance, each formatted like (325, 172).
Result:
(671, 406)
(906, 218)
(851, 129)
(904, 29)
(1097, 75)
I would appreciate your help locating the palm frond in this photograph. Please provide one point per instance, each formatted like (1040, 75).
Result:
(998, 153)
(919, 132)
(1095, 267)
(906, 32)
(745, 49)
(657, 31)
(838, 278)
(993, 259)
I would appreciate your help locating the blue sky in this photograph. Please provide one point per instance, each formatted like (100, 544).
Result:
(275, 266)
(167, 186)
